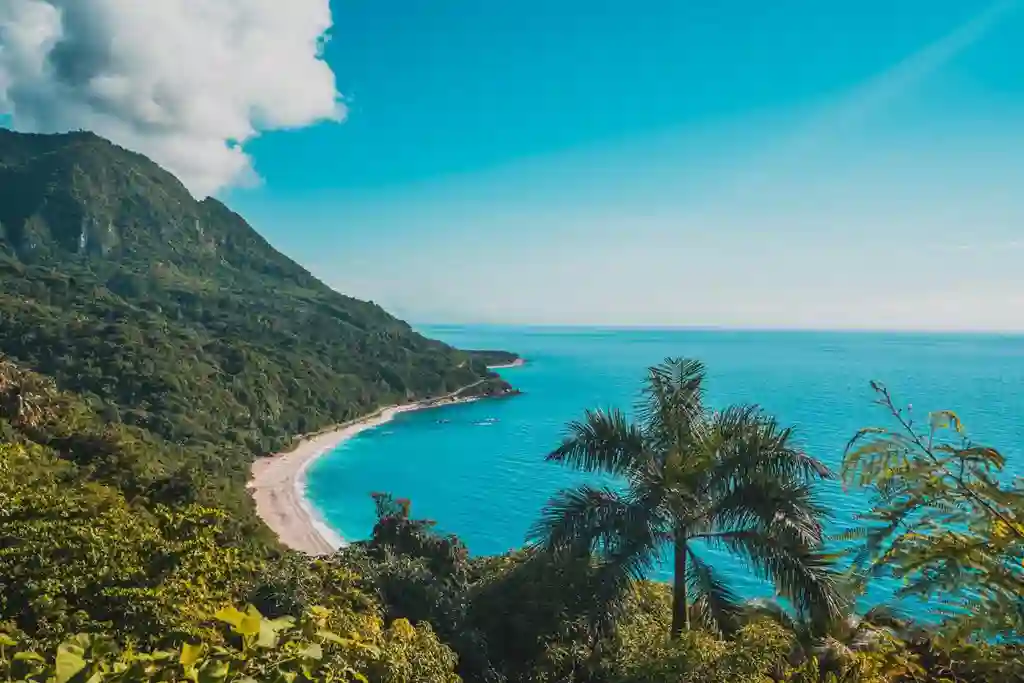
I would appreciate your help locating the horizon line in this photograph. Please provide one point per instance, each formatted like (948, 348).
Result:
(726, 328)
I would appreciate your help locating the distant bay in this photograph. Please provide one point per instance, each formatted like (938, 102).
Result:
(478, 469)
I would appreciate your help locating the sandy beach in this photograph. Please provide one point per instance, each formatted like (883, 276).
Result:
(278, 486)
(278, 482)
(518, 362)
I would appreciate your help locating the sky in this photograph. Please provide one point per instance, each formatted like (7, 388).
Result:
(793, 164)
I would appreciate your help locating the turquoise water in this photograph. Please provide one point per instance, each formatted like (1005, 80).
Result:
(481, 472)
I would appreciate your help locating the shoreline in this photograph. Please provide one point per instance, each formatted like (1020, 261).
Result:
(517, 363)
(277, 482)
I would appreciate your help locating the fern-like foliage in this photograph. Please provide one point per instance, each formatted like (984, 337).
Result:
(944, 519)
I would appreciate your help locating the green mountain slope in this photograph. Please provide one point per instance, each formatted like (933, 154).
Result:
(176, 317)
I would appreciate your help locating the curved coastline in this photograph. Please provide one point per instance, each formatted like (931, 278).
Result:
(278, 483)
(518, 362)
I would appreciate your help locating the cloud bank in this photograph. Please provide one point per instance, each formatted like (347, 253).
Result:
(186, 82)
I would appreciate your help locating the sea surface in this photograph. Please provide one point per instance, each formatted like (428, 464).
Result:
(478, 469)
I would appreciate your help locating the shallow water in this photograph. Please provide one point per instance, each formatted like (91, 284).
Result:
(479, 470)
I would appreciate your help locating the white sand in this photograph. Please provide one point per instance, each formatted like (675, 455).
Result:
(518, 362)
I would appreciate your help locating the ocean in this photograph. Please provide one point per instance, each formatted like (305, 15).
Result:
(478, 469)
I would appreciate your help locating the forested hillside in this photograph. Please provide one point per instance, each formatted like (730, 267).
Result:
(175, 316)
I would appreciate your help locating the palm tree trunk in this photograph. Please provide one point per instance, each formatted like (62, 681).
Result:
(680, 603)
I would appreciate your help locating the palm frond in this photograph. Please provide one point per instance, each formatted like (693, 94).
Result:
(619, 535)
(671, 404)
(604, 441)
(889, 617)
(775, 507)
(715, 603)
(849, 535)
(620, 567)
(760, 608)
(804, 576)
(588, 519)
(577, 519)
(750, 440)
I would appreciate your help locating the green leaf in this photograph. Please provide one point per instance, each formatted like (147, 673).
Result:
(190, 654)
(268, 635)
(230, 615)
(313, 651)
(213, 670)
(7, 641)
(69, 662)
(347, 642)
(942, 419)
(29, 657)
(249, 625)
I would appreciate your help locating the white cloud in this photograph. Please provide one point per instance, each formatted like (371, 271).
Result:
(186, 82)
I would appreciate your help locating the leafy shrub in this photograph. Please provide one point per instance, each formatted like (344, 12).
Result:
(253, 648)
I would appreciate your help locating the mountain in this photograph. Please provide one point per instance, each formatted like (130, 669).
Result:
(174, 317)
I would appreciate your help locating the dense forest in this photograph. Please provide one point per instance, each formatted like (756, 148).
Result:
(153, 346)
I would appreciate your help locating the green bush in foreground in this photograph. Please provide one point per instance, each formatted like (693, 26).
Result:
(255, 648)
(945, 520)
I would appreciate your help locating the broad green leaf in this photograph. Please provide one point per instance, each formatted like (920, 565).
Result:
(249, 625)
(190, 654)
(313, 651)
(334, 638)
(268, 634)
(230, 615)
(270, 628)
(213, 670)
(281, 622)
(29, 657)
(69, 662)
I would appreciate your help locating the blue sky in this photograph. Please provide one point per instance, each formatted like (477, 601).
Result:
(794, 163)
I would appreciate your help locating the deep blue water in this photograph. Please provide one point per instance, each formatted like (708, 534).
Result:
(481, 474)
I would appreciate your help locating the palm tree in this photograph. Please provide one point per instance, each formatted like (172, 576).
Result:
(731, 479)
